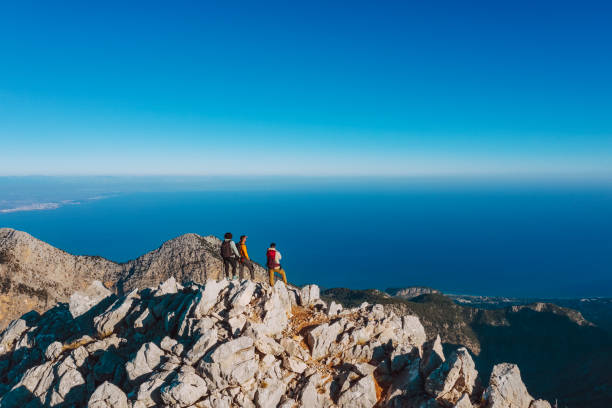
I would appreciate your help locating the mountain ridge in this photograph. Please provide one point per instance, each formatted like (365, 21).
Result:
(40, 275)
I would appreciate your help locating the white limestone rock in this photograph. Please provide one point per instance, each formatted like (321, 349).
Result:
(453, 378)
(309, 295)
(294, 364)
(201, 346)
(81, 302)
(506, 388)
(186, 389)
(463, 402)
(145, 320)
(362, 394)
(266, 345)
(108, 395)
(148, 393)
(106, 323)
(414, 331)
(244, 295)
(234, 362)
(54, 350)
(269, 393)
(168, 287)
(208, 298)
(11, 334)
(334, 309)
(322, 337)
(146, 360)
(316, 392)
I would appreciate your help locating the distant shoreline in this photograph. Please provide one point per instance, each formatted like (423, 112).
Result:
(47, 205)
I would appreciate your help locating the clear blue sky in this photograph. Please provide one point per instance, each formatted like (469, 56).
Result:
(429, 87)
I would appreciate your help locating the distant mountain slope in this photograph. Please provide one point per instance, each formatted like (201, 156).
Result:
(35, 275)
(411, 291)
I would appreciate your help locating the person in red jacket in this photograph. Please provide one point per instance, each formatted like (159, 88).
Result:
(274, 256)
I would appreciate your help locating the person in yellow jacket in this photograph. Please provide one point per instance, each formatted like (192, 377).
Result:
(244, 258)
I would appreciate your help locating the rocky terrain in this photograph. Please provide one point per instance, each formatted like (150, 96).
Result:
(550, 343)
(35, 275)
(237, 343)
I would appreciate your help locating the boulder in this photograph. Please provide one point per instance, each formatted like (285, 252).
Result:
(69, 389)
(309, 295)
(144, 320)
(294, 365)
(322, 337)
(11, 334)
(362, 394)
(148, 393)
(208, 297)
(235, 359)
(201, 346)
(144, 362)
(453, 378)
(107, 322)
(266, 345)
(81, 302)
(169, 287)
(108, 395)
(186, 389)
(414, 331)
(54, 350)
(334, 309)
(243, 295)
(315, 393)
(506, 388)
(269, 393)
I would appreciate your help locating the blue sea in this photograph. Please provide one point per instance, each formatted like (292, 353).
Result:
(485, 239)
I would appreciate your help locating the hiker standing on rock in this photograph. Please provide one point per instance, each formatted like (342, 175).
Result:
(230, 255)
(244, 258)
(274, 265)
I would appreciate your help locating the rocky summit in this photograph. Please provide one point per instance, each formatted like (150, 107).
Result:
(237, 343)
(35, 275)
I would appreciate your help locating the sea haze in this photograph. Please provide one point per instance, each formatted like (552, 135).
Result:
(490, 238)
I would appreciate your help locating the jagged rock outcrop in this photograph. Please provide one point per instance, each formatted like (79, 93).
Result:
(35, 275)
(236, 344)
(506, 390)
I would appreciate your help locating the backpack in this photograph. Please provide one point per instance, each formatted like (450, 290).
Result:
(226, 249)
(271, 255)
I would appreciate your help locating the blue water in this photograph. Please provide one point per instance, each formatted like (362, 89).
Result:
(515, 242)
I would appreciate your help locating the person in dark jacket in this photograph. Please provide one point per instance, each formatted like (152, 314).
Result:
(230, 255)
(244, 258)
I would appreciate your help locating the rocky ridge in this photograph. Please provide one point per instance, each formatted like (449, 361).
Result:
(411, 292)
(35, 275)
(237, 343)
